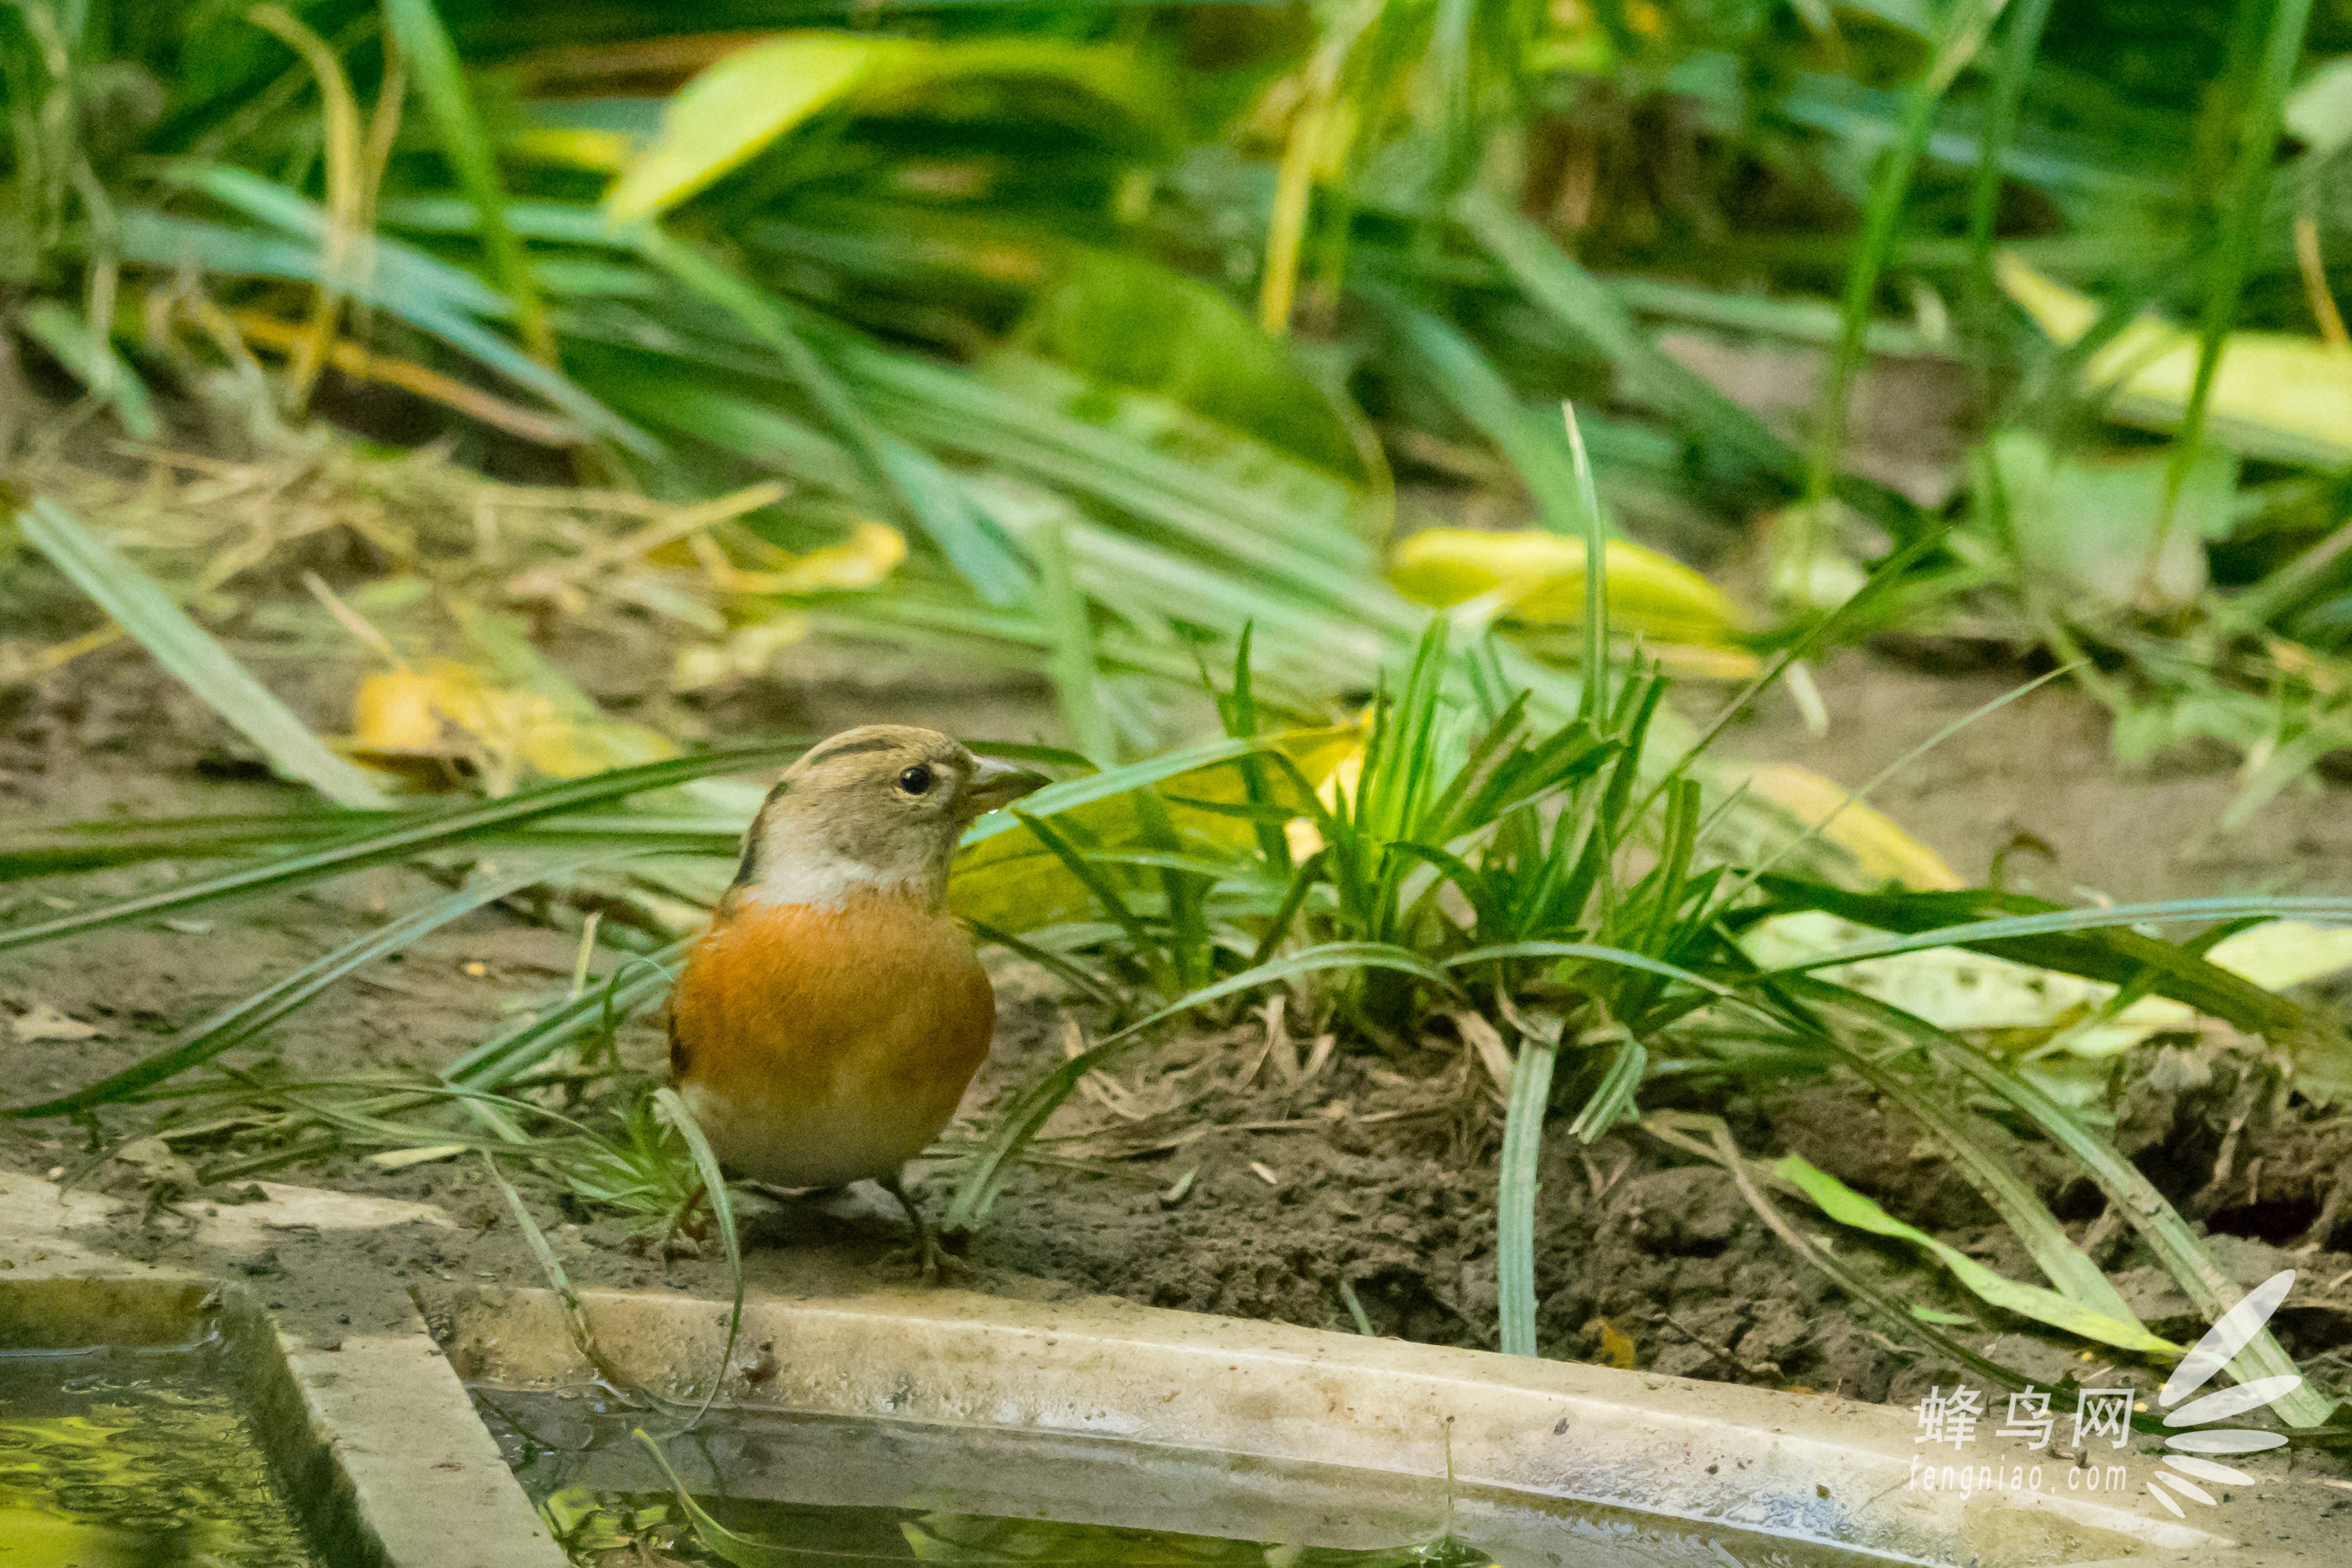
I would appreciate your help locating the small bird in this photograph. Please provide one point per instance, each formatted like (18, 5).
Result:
(826, 1026)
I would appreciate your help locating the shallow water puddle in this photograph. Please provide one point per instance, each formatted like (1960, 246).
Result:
(115, 1458)
(791, 1489)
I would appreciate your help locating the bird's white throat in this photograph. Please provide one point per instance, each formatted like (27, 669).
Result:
(820, 877)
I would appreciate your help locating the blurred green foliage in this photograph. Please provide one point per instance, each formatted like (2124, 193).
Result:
(1226, 294)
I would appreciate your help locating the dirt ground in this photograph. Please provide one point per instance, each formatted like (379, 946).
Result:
(1226, 1180)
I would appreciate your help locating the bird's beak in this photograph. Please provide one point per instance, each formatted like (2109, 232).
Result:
(995, 785)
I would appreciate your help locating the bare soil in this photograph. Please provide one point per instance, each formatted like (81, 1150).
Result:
(1215, 1176)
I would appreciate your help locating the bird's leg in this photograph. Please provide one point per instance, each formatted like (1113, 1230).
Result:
(927, 1241)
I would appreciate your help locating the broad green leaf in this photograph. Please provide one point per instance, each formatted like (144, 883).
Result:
(743, 102)
(1133, 323)
(738, 106)
(2319, 112)
(2114, 533)
(1848, 1207)
(142, 607)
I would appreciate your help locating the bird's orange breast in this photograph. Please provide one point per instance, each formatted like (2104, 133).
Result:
(818, 1045)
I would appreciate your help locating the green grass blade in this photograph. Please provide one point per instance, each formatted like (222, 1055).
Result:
(1590, 952)
(1893, 1314)
(575, 1317)
(716, 1538)
(1612, 1098)
(1452, 366)
(1553, 281)
(374, 846)
(235, 1025)
(1061, 606)
(1514, 1195)
(2269, 76)
(1596, 575)
(976, 1194)
(1303, 880)
(188, 653)
(2066, 1266)
(401, 271)
(2026, 20)
(91, 846)
(1848, 1207)
(2132, 1195)
(1070, 794)
(2096, 943)
(417, 28)
(1959, 38)
(167, 241)
(976, 546)
(1073, 975)
(1105, 893)
(639, 982)
(673, 1111)
(90, 358)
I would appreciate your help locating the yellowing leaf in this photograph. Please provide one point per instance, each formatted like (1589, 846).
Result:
(1538, 577)
(746, 653)
(1848, 1207)
(2275, 395)
(1882, 851)
(1300, 832)
(745, 100)
(447, 714)
(738, 106)
(871, 553)
(393, 715)
(1616, 1346)
(574, 147)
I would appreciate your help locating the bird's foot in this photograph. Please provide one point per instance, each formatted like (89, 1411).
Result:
(930, 1255)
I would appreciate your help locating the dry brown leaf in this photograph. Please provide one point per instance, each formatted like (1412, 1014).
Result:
(1485, 1042)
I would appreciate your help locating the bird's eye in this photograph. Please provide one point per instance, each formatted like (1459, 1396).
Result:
(916, 780)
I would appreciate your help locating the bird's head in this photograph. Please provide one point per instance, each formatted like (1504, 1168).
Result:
(881, 806)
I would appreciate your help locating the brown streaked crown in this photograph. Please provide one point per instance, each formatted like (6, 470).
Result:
(879, 806)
